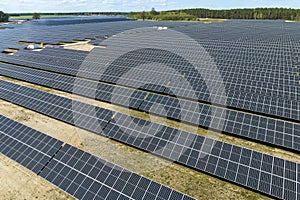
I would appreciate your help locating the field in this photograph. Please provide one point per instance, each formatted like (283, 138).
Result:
(131, 76)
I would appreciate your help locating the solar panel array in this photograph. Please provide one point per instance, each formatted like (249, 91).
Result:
(261, 172)
(259, 65)
(53, 32)
(259, 128)
(247, 31)
(267, 98)
(27, 147)
(81, 174)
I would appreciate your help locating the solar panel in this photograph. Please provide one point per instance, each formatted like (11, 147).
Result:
(259, 68)
(80, 174)
(86, 177)
(28, 147)
(259, 128)
(273, 101)
(239, 165)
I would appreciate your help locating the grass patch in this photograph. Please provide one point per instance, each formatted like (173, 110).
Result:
(3, 27)
(10, 50)
(24, 42)
(64, 43)
(208, 21)
(291, 21)
(23, 117)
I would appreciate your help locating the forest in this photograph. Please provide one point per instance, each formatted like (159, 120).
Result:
(3, 17)
(194, 14)
(189, 14)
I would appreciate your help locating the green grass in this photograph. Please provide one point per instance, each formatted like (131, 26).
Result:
(292, 20)
(207, 21)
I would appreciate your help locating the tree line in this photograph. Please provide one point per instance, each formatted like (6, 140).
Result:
(258, 13)
(191, 14)
(3, 17)
(194, 14)
(165, 15)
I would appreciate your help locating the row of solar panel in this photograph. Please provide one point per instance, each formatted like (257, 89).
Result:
(80, 174)
(59, 52)
(284, 49)
(272, 76)
(242, 65)
(162, 57)
(259, 128)
(239, 31)
(237, 49)
(235, 99)
(282, 88)
(219, 54)
(235, 76)
(232, 76)
(241, 51)
(243, 69)
(261, 172)
(78, 20)
(237, 54)
(248, 51)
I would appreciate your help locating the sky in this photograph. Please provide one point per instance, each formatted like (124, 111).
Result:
(23, 6)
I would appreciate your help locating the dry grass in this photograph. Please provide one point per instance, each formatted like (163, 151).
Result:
(80, 46)
(18, 183)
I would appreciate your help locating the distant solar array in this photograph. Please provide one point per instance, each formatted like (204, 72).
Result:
(63, 21)
(246, 31)
(53, 32)
(264, 173)
(80, 174)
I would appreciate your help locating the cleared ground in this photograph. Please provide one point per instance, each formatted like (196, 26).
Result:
(19, 183)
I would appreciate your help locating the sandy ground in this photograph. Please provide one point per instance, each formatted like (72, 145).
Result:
(18, 183)
(83, 46)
